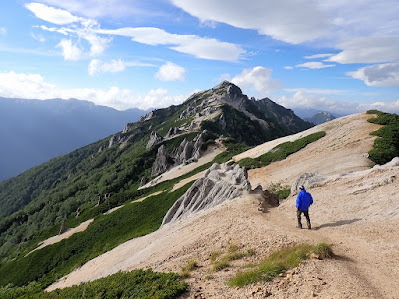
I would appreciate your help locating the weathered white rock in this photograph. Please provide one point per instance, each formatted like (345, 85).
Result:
(393, 163)
(308, 180)
(219, 183)
(154, 139)
(162, 161)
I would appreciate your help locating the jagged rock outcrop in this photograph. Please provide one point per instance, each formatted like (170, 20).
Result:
(126, 129)
(189, 151)
(113, 140)
(186, 152)
(154, 140)
(118, 139)
(308, 180)
(172, 132)
(163, 161)
(148, 116)
(219, 183)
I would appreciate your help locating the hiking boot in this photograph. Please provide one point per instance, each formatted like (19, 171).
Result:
(299, 226)
(309, 227)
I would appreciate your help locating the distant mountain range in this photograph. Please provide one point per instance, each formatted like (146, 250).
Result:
(320, 117)
(315, 116)
(34, 131)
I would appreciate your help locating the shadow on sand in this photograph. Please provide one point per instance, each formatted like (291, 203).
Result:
(337, 223)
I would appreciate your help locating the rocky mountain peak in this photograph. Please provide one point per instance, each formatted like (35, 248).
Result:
(228, 88)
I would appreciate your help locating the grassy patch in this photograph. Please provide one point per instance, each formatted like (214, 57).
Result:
(322, 250)
(278, 262)
(135, 284)
(222, 260)
(281, 151)
(386, 146)
(186, 269)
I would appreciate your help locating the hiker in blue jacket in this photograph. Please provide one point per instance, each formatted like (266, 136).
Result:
(303, 201)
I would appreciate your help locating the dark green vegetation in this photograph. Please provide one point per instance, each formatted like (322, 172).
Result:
(280, 152)
(279, 262)
(135, 284)
(106, 232)
(386, 146)
(282, 191)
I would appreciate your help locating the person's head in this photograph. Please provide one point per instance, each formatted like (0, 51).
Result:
(301, 187)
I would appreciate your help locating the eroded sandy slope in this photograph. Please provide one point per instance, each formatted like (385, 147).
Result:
(357, 213)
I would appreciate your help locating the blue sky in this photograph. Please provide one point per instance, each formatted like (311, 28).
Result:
(340, 56)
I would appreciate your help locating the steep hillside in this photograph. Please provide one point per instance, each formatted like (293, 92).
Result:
(47, 129)
(356, 210)
(89, 181)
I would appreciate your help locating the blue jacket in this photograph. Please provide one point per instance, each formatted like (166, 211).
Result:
(303, 200)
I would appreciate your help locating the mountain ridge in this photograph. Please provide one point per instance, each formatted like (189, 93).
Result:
(91, 180)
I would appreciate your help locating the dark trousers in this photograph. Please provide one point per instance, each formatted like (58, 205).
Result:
(306, 213)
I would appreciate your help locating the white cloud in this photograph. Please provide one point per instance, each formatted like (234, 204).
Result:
(316, 56)
(89, 30)
(207, 48)
(97, 66)
(63, 30)
(319, 91)
(51, 14)
(69, 50)
(38, 37)
(171, 72)
(378, 75)
(366, 31)
(3, 31)
(288, 67)
(160, 98)
(97, 9)
(368, 50)
(34, 86)
(257, 78)
(16, 85)
(79, 27)
(97, 44)
(303, 99)
(366, 18)
(391, 107)
(314, 65)
(287, 20)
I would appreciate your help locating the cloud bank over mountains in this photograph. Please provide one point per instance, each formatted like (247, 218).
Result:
(173, 47)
